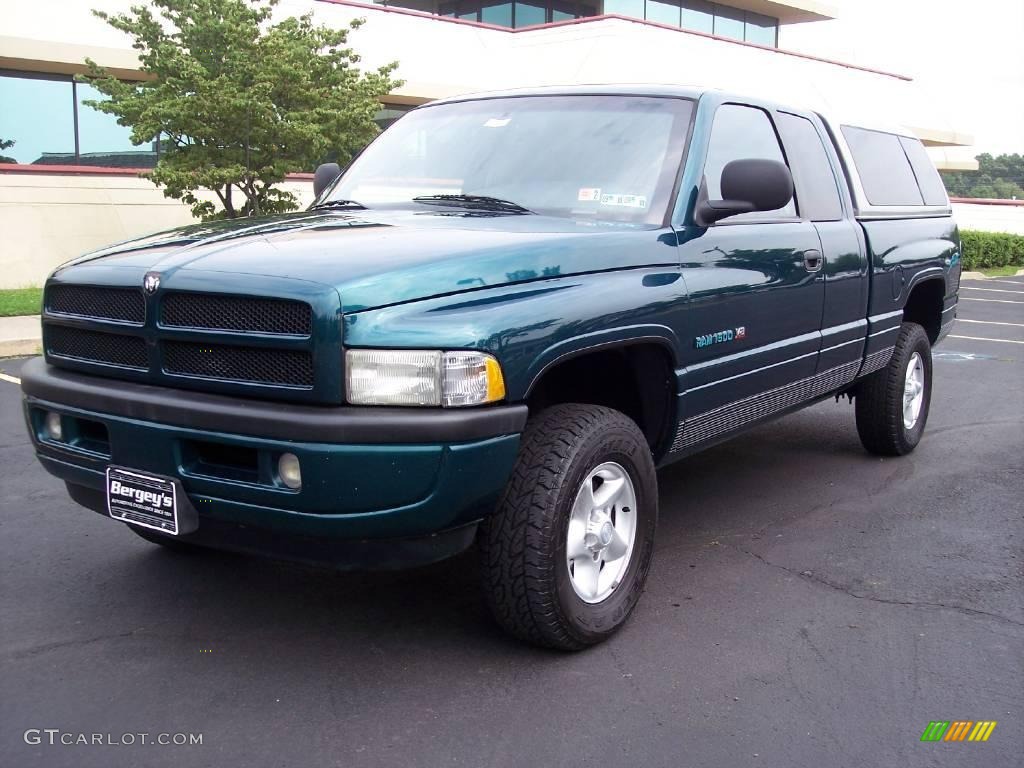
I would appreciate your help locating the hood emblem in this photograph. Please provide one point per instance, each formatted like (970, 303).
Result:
(151, 282)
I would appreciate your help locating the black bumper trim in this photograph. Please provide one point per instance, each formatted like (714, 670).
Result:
(272, 420)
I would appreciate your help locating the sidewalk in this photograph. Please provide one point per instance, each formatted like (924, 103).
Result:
(20, 336)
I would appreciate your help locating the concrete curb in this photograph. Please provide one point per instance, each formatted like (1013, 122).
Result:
(20, 336)
(980, 276)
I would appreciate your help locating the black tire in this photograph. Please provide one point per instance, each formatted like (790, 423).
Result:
(879, 398)
(523, 544)
(169, 543)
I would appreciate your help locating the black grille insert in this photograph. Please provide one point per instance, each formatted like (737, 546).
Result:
(278, 367)
(236, 313)
(109, 348)
(124, 304)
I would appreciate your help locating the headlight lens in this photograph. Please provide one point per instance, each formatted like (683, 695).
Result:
(422, 377)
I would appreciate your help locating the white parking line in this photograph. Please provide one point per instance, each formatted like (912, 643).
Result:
(988, 322)
(990, 290)
(980, 338)
(996, 301)
(11, 379)
(1004, 282)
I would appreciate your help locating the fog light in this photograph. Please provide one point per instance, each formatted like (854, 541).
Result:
(52, 427)
(289, 471)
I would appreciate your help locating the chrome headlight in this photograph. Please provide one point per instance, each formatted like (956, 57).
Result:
(422, 377)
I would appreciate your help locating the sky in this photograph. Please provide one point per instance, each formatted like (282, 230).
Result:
(970, 53)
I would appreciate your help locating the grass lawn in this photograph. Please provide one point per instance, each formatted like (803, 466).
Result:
(20, 301)
(1000, 271)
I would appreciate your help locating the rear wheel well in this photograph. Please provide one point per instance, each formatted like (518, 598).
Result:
(924, 307)
(637, 380)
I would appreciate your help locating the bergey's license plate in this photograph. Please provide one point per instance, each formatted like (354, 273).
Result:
(142, 500)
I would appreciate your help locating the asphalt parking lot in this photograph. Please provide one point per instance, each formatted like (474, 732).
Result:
(809, 605)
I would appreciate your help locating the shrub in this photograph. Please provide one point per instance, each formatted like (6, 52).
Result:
(984, 250)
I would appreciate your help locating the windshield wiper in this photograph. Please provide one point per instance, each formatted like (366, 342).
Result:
(481, 202)
(338, 204)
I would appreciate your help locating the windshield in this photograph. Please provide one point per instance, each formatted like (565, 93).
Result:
(611, 158)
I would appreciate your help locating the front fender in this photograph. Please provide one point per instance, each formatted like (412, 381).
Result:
(530, 327)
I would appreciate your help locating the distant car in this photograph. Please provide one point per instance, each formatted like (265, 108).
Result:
(491, 328)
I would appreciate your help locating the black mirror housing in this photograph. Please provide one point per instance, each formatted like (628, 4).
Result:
(325, 174)
(748, 185)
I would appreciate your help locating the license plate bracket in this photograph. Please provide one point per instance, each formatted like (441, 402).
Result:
(146, 500)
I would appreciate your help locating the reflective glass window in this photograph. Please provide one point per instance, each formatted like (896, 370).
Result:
(663, 12)
(698, 16)
(528, 14)
(37, 114)
(761, 29)
(101, 141)
(729, 22)
(496, 13)
(634, 8)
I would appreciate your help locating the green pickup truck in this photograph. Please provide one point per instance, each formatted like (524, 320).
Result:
(491, 328)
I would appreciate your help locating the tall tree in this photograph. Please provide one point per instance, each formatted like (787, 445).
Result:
(1001, 176)
(238, 101)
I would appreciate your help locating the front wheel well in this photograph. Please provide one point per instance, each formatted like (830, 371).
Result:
(636, 379)
(924, 306)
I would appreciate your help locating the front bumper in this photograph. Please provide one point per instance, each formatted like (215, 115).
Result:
(368, 473)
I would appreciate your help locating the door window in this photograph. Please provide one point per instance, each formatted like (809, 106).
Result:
(740, 132)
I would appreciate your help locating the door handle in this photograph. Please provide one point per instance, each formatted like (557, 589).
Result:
(813, 260)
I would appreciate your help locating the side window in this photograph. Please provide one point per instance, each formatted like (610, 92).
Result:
(883, 167)
(815, 180)
(932, 189)
(740, 132)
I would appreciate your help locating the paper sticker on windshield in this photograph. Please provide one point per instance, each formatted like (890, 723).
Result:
(589, 194)
(495, 122)
(626, 201)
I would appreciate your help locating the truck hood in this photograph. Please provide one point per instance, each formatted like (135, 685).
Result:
(376, 258)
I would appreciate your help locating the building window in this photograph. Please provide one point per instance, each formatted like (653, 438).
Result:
(502, 14)
(47, 119)
(389, 113)
(50, 124)
(696, 15)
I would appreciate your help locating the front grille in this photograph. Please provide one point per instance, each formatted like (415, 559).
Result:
(244, 364)
(109, 348)
(124, 304)
(236, 313)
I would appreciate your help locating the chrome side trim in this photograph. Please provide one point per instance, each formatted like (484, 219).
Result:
(884, 330)
(834, 329)
(748, 373)
(877, 360)
(731, 416)
(885, 316)
(858, 340)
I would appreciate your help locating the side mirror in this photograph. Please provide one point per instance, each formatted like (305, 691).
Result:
(747, 185)
(324, 177)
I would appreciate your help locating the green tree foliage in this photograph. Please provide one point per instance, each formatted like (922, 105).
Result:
(238, 100)
(1000, 177)
(6, 144)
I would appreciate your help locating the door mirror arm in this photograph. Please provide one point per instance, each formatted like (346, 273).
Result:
(710, 211)
(748, 185)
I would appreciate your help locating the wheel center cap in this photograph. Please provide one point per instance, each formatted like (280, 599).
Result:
(600, 533)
